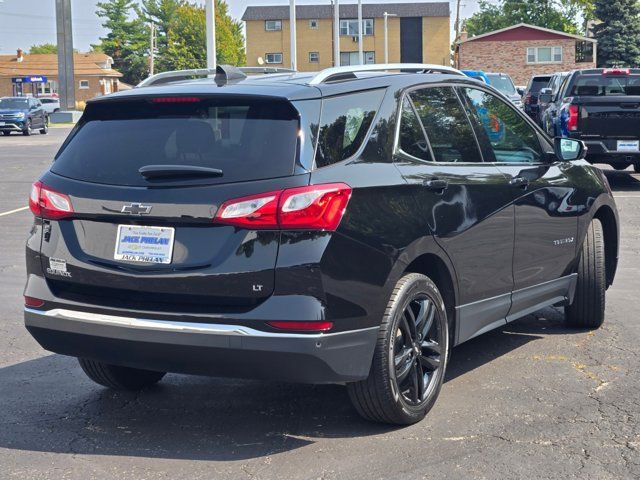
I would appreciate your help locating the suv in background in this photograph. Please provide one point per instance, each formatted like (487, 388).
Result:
(23, 115)
(530, 96)
(602, 108)
(503, 83)
(50, 104)
(349, 226)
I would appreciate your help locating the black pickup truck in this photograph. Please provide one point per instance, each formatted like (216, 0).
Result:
(602, 108)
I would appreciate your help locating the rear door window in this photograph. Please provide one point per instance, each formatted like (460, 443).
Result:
(446, 124)
(412, 137)
(246, 139)
(344, 124)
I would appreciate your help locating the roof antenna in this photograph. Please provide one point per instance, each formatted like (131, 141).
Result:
(228, 73)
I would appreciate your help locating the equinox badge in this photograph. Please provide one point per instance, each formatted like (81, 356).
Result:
(136, 209)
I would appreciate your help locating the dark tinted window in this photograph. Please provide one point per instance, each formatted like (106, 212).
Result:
(48, 100)
(412, 139)
(606, 85)
(247, 140)
(538, 83)
(344, 125)
(510, 137)
(13, 103)
(446, 124)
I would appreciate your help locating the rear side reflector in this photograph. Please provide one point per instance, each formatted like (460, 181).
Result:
(33, 302)
(47, 203)
(302, 326)
(314, 207)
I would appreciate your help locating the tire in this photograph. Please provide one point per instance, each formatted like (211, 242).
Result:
(45, 129)
(119, 378)
(27, 129)
(382, 397)
(587, 309)
(636, 167)
(6, 134)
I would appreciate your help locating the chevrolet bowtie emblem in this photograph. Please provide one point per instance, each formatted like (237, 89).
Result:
(136, 209)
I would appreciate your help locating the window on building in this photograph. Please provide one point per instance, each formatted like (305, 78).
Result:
(273, 58)
(350, 26)
(584, 52)
(313, 23)
(273, 25)
(314, 57)
(352, 58)
(84, 84)
(344, 124)
(544, 55)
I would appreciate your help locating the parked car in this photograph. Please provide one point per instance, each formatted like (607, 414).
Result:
(549, 101)
(602, 107)
(503, 83)
(50, 104)
(530, 96)
(20, 114)
(336, 227)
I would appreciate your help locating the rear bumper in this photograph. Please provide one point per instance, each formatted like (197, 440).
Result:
(599, 152)
(204, 348)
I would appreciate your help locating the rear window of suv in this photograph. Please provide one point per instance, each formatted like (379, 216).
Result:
(606, 85)
(246, 139)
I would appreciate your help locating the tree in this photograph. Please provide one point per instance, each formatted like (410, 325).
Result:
(44, 48)
(554, 14)
(619, 33)
(127, 41)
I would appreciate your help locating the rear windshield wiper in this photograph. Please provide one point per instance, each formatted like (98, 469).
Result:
(176, 171)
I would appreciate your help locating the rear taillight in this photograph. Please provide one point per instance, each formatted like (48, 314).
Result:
(572, 121)
(314, 326)
(47, 203)
(314, 207)
(616, 71)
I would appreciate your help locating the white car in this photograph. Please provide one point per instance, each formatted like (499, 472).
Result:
(50, 104)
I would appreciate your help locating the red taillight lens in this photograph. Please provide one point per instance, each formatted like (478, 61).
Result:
(314, 326)
(176, 99)
(33, 302)
(572, 122)
(314, 207)
(47, 203)
(616, 71)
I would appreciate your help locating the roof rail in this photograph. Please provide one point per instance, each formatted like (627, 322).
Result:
(222, 73)
(348, 72)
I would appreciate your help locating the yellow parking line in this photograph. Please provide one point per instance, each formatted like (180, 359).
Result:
(13, 211)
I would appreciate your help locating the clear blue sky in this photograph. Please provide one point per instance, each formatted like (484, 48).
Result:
(27, 22)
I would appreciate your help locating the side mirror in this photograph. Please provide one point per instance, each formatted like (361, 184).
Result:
(569, 150)
(520, 91)
(545, 96)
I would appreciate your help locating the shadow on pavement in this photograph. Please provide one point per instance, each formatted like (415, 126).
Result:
(623, 180)
(47, 405)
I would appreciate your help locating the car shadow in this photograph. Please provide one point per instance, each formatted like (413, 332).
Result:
(623, 180)
(47, 405)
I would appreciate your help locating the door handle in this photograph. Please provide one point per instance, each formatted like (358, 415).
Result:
(519, 182)
(436, 184)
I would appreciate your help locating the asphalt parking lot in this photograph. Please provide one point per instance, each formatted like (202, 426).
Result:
(531, 400)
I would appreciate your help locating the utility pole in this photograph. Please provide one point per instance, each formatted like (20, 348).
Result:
(458, 20)
(152, 48)
(386, 35)
(210, 13)
(336, 33)
(67, 89)
(292, 32)
(360, 29)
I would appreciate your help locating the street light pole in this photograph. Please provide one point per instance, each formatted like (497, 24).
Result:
(360, 46)
(292, 31)
(336, 33)
(67, 89)
(386, 35)
(210, 13)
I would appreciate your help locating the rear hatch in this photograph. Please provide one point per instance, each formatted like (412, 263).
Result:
(145, 178)
(608, 105)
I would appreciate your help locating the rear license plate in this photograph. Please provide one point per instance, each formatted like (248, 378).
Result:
(135, 243)
(628, 145)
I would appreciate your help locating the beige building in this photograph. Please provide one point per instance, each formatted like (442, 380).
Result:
(37, 75)
(525, 50)
(418, 33)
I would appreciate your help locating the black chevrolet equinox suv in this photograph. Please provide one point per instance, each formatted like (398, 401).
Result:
(349, 226)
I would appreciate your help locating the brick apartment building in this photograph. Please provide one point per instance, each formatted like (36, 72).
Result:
(37, 75)
(524, 50)
(418, 33)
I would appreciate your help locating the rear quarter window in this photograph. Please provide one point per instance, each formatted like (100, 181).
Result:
(344, 124)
